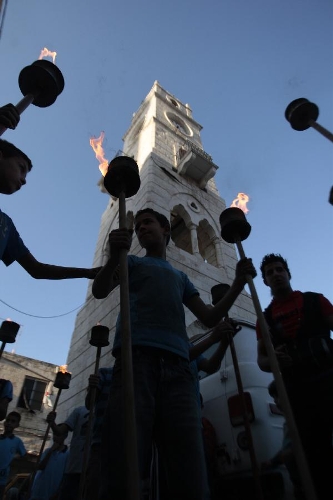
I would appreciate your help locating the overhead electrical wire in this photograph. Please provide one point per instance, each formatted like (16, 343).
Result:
(41, 317)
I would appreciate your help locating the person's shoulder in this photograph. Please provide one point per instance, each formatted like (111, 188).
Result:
(5, 217)
(5, 387)
(106, 371)
(18, 440)
(134, 258)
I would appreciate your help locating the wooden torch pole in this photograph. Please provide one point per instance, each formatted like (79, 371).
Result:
(88, 433)
(131, 449)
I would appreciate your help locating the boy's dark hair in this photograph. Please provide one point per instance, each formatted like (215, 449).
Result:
(269, 259)
(159, 217)
(8, 150)
(15, 414)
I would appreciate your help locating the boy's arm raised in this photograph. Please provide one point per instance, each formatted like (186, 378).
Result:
(210, 316)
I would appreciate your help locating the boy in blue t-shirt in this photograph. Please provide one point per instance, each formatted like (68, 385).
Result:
(166, 405)
(51, 470)
(10, 446)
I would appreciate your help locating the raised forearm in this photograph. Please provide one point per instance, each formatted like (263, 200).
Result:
(39, 270)
(107, 278)
(221, 309)
(51, 272)
(201, 346)
(212, 364)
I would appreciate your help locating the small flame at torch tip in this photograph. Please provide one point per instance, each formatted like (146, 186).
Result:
(63, 369)
(8, 319)
(96, 144)
(240, 202)
(46, 52)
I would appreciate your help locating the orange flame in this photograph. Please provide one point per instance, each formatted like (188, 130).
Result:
(63, 368)
(46, 52)
(240, 202)
(96, 144)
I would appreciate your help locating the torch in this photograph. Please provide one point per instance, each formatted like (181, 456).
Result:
(302, 114)
(8, 332)
(40, 83)
(61, 382)
(122, 180)
(218, 292)
(99, 338)
(235, 229)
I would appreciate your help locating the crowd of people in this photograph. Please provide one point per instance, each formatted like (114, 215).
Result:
(165, 366)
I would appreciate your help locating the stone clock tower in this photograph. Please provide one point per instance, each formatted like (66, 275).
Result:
(177, 179)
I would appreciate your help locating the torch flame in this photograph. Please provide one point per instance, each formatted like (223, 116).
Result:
(46, 52)
(96, 144)
(63, 368)
(240, 202)
(8, 319)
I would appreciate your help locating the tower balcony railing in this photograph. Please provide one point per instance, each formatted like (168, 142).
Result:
(195, 163)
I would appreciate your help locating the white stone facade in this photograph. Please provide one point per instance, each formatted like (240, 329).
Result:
(177, 179)
(36, 401)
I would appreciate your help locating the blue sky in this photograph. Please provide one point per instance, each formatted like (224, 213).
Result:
(237, 63)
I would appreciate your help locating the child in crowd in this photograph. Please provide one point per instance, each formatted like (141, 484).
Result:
(166, 407)
(10, 446)
(50, 470)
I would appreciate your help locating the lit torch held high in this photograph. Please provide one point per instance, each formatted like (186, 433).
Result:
(122, 180)
(40, 83)
(62, 381)
(234, 229)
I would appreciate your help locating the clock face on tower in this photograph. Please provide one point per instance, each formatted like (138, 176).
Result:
(178, 123)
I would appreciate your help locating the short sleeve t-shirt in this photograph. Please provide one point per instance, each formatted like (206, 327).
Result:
(9, 447)
(11, 244)
(6, 389)
(157, 292)
(78, 424)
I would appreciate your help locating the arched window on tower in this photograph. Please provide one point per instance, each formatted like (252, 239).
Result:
(206, 237)
(180, 233)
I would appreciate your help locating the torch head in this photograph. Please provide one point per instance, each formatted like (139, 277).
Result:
(63, 378)
(99, 336)
(300, 112)
(234, 226)
(43, 80)
(8, 331)
(122, 176)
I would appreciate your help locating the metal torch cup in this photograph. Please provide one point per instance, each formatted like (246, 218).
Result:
(8, 332)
